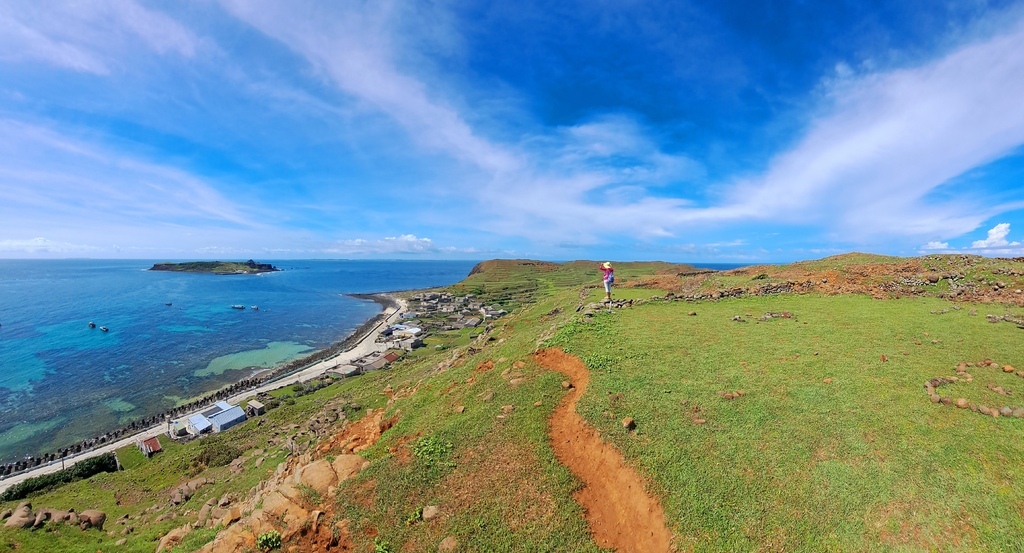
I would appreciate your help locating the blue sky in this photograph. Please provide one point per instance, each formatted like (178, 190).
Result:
(687, 131)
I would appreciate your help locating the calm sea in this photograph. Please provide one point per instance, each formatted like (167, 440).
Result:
(61, 381)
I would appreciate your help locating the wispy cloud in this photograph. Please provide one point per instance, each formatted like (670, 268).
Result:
(868, 163)
(886, 141)
(90, 36)
(43, 245)
(405, 244)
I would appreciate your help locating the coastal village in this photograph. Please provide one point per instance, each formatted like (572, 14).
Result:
(425, 313)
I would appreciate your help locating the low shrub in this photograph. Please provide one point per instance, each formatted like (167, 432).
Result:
(80, 471)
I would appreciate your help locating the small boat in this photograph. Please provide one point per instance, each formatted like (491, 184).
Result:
(237, 306)
(167, 303)
(255, 308)
(104, 329)
(92, 324)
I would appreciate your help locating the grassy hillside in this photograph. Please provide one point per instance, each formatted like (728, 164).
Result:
(833, 445)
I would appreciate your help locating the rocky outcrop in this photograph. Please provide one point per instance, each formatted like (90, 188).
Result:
(185, 491)
(286, 501)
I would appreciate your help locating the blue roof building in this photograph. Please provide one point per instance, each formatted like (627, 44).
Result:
(227, 418)
(197, 424)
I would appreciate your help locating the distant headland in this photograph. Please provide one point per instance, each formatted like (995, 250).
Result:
(216, 267)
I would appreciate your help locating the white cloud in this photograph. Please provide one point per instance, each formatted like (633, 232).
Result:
(90, 36)
(996, 238)
(866, 166)
(405, 244)
(43, 245)
(891, 138)
(935, 245)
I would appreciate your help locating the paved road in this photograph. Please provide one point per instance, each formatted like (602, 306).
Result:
(364, 347)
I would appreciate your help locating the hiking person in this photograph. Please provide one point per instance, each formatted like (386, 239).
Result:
(609, 278)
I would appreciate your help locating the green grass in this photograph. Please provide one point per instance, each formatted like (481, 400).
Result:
(863, 463)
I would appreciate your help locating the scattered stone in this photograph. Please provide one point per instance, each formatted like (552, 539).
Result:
(827, 381)
(1006, 411)
(91, 518)
(1008, 369)
(884, 358)
(538, 403)
(448, 544)
(628, 423)
(506, 409)
(516, 381)
(961, 403)
(699, 421)
(460, 409)
(430, 512)
(692, 313)
(1018, 413)
(486, 396)
(6, 514)
(567, 385)
(935, 398)
(121, 542)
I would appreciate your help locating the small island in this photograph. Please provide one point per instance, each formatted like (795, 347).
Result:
(216, 267)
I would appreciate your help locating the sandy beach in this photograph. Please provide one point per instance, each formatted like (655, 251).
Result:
(364, 346)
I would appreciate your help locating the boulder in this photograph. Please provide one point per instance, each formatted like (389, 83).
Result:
(1018, 413)
(42, 515)
(21, 517)
(961, 403)
(6, 514)
(318, 475)
(173, 538)
(1006, 411)
(233, 515)
(347, 466)
(628, 423)
(91, 518)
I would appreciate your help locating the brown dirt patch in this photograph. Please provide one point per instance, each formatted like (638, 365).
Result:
(357, 436)
(484, 367)
(621, 514)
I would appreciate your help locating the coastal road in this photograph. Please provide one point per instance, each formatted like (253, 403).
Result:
(362, 348)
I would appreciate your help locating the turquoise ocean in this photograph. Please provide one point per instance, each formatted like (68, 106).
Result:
(61, 381)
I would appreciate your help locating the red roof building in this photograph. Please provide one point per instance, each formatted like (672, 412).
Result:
(149, 446)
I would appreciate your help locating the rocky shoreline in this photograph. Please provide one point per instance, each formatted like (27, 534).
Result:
(32, 461)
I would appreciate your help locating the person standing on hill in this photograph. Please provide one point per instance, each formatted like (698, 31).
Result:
(609, 278)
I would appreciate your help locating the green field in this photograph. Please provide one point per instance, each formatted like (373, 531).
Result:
(833, 446)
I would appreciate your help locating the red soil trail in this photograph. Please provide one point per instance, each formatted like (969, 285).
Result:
(621, 514)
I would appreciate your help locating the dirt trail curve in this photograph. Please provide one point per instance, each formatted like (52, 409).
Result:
(621, 514)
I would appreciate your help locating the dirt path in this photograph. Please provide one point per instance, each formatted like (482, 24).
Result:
(621, 514)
